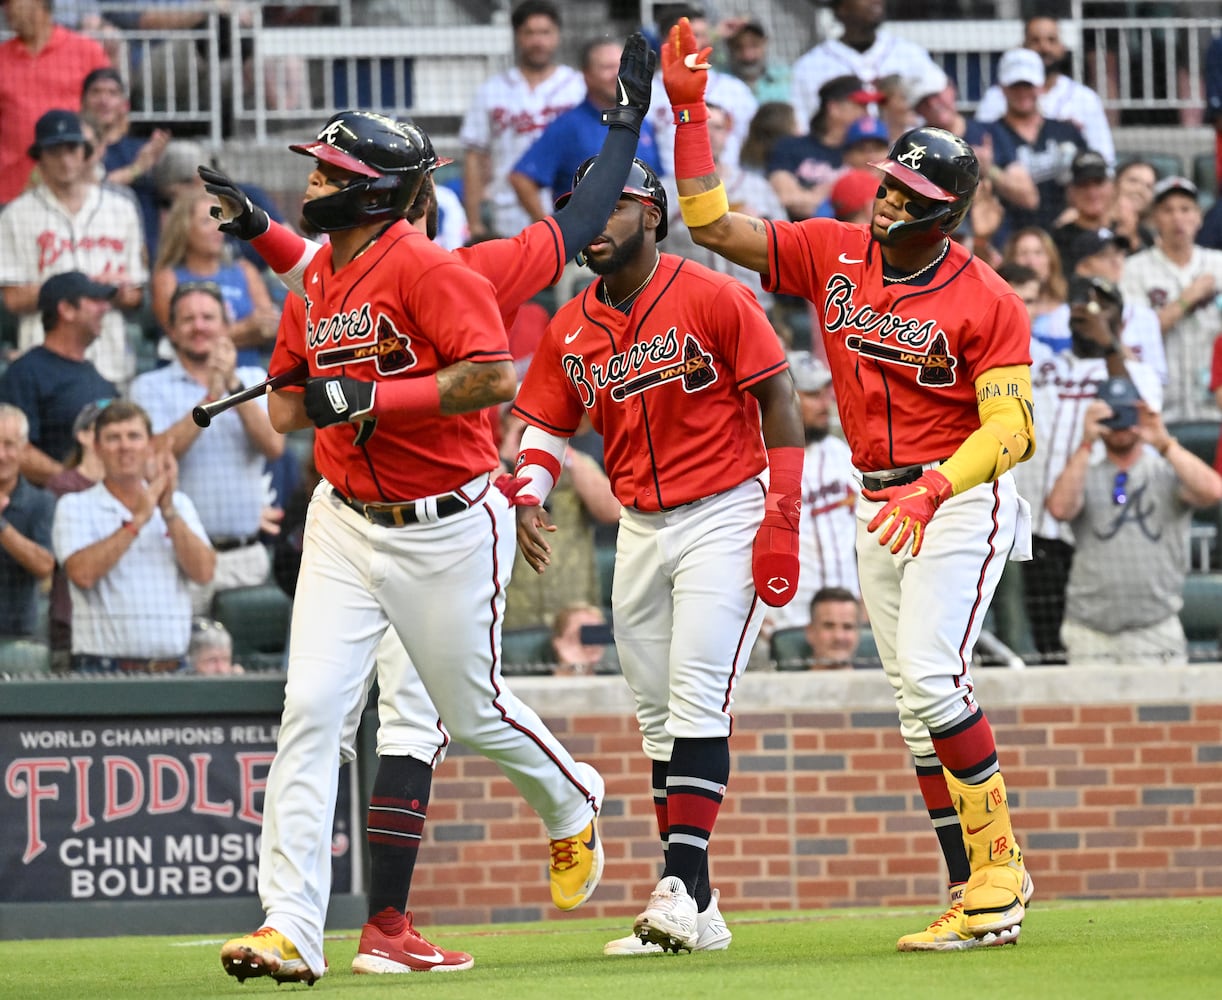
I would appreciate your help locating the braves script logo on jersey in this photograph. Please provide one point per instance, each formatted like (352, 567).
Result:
(624, 372)
(390, 350)
(919, 343)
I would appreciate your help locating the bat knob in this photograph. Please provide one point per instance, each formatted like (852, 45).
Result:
(201, 417)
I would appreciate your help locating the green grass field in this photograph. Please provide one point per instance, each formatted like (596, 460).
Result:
(1080, 950)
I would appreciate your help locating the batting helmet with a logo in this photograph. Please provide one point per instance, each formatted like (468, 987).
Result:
(642, 183)
(938, 166)
(390, 158)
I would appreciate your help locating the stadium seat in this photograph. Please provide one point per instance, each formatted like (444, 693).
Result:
(24, 658)
(1201, 438)
(1204, 173)
(527, 651)
(258, 619)
(1201, 615)
(789, 649)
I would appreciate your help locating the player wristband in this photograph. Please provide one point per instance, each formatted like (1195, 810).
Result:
(785, 470)
(693, 153)
(704, 208)
(280, 247)
(413, 397)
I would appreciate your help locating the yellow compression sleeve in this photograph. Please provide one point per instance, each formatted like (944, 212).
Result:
(1006, 435)
(704, 208)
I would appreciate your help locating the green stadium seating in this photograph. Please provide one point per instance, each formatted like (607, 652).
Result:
(258, 619)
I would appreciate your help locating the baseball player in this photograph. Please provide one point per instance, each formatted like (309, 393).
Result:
(405, 348)
(678, 369)
(929, 353)
(411, 739)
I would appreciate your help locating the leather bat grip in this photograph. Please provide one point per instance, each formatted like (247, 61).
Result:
(203, 414)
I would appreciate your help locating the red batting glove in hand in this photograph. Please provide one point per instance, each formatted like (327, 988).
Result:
(511, 486)
(907, 510)
(774, 557)
(684, 70)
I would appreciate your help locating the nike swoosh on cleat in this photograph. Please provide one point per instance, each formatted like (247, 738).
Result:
(590, 844)
(972, 832)
(434, 959)
(849, 260)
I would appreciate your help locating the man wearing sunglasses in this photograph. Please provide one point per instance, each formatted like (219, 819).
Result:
(1129, 509)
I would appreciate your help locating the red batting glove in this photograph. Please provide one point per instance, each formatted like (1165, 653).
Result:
(511, 486)
(907, 510)
(684, 70)
(774, 556)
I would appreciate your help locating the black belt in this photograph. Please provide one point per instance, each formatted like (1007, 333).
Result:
(229, 544)
(91, 664)
(395, 515)
(893, 477)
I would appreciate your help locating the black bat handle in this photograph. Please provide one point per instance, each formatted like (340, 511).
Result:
(203, 414)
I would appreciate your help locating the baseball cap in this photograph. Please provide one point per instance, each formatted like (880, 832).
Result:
(56, 128)
(1089, 166)
(1020, 66)
(809, 373)
(848, 88)
(1175, 185)
(1083, 288)
(931, 80)
(103, 73)
(867, 128)
(1122, 396)
(751, 24)
(69, 286)
(1089, 242)
(853, 191)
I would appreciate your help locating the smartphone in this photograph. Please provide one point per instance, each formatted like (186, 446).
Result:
(596, 635)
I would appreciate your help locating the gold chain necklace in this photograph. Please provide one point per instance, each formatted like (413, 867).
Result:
(916, 274)
(657, 259)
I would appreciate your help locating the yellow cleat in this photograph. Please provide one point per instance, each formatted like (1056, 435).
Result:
(576, 867)
(266, 952)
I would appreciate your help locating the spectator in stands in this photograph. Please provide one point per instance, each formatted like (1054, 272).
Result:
(865, 141)
(511, 110)
(221, 468)
(852, 196)
(1213, 97)
(41, 67)
(25, 532)
(1089, 198)
(1181, 281)
(576, 135)
(1061, 97)
(210, 651)
(865, 49)
(1044, 146)
(580, 500)
(127, 160)
(1032, 247)
(723, 89)
(828, 531)
(129, 545)
(70, 222)
(773, 121)
(834, 629)
(52, 382)
(803, 168)
(580, 640)
(1133, 194)
(1130, 511)
(1062, 387)
(893, 106)
(82, 468)
(747, 191)
(743, 52)
(193, 250)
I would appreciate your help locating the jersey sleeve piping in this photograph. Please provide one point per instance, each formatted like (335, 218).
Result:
(760, 376)
(542, 424)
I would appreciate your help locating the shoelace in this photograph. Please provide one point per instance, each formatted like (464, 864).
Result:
(564, 854)
(949, 917)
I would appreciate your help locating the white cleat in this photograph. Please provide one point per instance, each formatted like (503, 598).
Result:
(670, 918)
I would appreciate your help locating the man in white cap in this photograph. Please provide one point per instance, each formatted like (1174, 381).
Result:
(828, 532)
(1044, 146)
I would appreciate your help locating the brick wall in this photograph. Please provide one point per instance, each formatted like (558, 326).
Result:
(1115, 780)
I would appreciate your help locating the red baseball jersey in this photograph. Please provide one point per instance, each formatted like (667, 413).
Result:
(403, 309)
(904, 358)
(665, 385)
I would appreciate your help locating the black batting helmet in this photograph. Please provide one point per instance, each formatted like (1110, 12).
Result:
(938, 165)
(392, 159)
(642, 183)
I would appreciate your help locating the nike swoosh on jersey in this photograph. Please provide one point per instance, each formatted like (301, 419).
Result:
(570, 337)
(849, 260)
(623, 94)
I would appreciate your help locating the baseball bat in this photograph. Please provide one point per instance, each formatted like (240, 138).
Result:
(203, 414)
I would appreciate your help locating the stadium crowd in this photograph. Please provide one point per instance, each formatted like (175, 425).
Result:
(121, 521)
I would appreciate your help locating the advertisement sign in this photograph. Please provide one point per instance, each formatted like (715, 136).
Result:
(135, 808)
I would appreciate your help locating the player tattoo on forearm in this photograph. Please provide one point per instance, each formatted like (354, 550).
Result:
(469, 385)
